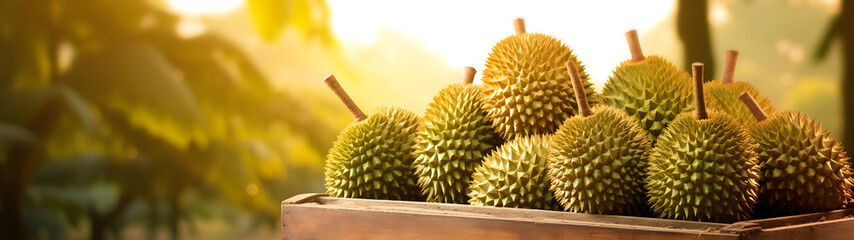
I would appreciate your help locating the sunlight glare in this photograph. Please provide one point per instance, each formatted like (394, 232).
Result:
(465, 31)
(204, 7)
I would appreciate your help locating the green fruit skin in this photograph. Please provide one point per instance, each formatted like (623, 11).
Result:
(724, 98)
(453, 138)
(703, 170)
(514, 175)
(803, 169)
(373, 158)
(527, 87)
(654, 92)
(597, 164)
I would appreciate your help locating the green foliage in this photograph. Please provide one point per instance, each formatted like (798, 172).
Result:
(270, 17)
(140, 83)
(144, 115)
(11, 133)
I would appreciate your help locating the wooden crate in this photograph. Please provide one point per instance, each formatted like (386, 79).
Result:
(316, 216)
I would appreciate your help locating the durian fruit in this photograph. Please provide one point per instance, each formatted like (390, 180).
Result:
(373, 157)
(703, 168)
(597, 163)
(723, 95)
(514, 175)
(803, 169)
(452, 140)
(526, 88)
(649, 88)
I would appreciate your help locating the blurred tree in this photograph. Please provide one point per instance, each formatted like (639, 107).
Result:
(104, 104)
(840, 27)
(692, 26)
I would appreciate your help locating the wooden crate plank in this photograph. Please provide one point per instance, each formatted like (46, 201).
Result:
(839, 229)
(424, 207)
(324, 222)
(804, 218)
(316, 216)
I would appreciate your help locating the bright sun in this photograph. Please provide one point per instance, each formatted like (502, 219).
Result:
(204, 7)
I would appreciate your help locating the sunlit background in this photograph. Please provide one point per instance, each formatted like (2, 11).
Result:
(195, 118)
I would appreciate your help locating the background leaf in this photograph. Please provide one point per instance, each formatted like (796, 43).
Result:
(11, 133)
(268, 16)
(135, 79)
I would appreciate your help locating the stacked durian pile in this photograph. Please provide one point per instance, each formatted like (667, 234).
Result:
(535, 134)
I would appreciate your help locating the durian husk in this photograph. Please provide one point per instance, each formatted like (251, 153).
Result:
(597, 164)
(703, 170)
(803, 169)
(373, 158)
(526, 85)
(452, 140)
(723, 97)
(514, 175)
(653, 91)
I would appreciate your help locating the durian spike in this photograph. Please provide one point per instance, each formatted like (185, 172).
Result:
(729, 66)
(468, 75)
(753, 106)
(699, 100)
(338, 90)
(520, 26)
(580, 96)
(634, 46)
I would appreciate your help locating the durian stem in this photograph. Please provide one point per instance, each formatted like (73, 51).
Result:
(634, 46)
(519, 23)
(580, 95)
(338, 90)
(729, 66)
(753, 106)
(468, 75)
(699, 99)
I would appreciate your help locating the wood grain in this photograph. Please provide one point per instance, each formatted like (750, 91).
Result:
(315, 216)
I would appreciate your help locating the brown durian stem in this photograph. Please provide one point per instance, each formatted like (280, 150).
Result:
(634, 46)
(520, 26)
(338, 90)
(729, 66)
(699, 99)
(580, 95)
(753, 106)
(468, 75)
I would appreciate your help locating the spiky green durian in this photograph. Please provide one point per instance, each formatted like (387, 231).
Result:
(803, 169)
(653, 91)
(373, 158)
(514, 175)
(526, 86)
(453, 138)
(703, 167)
(597, 164)
(703, 170)
(723, 95)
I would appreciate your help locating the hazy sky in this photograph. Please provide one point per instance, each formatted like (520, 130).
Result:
(465, 31)
(453, 34)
